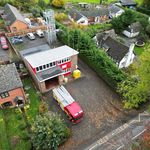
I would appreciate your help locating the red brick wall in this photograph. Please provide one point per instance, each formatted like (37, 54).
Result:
(19, 26)
(12, 95)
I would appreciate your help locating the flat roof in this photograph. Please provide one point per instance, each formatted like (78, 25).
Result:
(38, 58)
(49, 73)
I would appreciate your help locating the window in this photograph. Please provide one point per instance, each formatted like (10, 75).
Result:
(44, 66)
(40, 67)
(37, 68)
(4, 95)
(54, 63)
(47, 65)
(51, 64)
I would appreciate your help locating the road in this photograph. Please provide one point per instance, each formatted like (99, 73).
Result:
(123, 137)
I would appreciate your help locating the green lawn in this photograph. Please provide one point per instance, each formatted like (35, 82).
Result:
(13, 131)
(138, 50)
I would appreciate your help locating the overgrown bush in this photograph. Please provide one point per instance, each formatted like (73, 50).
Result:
(49, 131)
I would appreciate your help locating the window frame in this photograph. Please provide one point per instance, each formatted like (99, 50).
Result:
(4, 95)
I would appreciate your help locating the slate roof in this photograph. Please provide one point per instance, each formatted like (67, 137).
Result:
(76, 15)
(9, 78)
(114, 48)
(12, 14)
(96, 12)
(114, 9)
(135, 27)
(128, 2)
(49, 73)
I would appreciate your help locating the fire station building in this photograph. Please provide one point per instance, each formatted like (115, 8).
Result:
(49, 66)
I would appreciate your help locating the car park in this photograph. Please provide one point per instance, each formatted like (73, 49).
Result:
(40, 33)
(31, 36)
(3, 42)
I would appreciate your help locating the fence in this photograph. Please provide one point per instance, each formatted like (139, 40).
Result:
(24, 32)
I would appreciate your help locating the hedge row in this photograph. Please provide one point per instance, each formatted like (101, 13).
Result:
(97, 59)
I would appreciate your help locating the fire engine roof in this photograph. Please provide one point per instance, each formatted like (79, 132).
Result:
(44, 57)
(74, 109)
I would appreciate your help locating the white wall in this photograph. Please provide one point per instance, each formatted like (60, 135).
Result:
(130, 34)
(83, 19)
(128, 58)
(113, 15)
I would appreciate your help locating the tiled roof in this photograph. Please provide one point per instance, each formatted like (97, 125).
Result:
(135, 27)
(76, 15)
(114, 9)
(12, 14)
(9, 78)
(114, 48)
(127, 2)
(96, 12)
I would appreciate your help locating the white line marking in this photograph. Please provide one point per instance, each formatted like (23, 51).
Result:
(138, 134)
(120, 147)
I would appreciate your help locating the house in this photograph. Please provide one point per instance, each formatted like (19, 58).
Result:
(121, 54)
(49, 66)
(11, 88)
(13, 19)
(115, 11)
(133, 30)
(128, 3)
(89, 17)
(77, 17)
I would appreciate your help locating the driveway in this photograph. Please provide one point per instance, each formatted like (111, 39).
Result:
(101, 105)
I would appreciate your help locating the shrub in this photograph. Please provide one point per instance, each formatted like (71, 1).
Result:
(43, 108)
(49, 131)
(58, 3)
(60, 16)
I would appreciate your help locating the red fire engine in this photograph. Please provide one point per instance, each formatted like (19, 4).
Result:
(68, 104)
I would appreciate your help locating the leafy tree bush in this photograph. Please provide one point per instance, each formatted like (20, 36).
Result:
(135, 92)
(49, 131)
(122, 22)
(36, 11)
(42, 3)
(58, 3)
(60, 16)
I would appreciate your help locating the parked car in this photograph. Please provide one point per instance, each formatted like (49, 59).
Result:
(16, 41)
(31, 36)
(3, 42)
(17, 37)
(40, 33)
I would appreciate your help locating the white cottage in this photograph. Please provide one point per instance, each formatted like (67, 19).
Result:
(122, 55)
(133, 30)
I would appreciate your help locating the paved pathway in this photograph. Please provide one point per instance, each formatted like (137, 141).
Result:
(122, 137)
